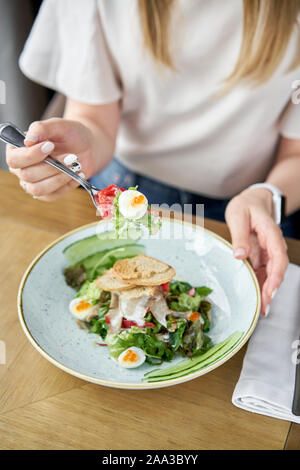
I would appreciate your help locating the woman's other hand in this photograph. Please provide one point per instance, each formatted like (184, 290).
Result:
(256, 236)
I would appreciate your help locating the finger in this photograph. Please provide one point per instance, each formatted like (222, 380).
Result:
(277, 251)
(35, 173)
(48, 185)
(276, 266)
(265, 299)
(38, 172)
(65, 134)
(59, 192)
(53, 129)
(255, 254)
(261, 275)
(266, 295)
(25, 156)
(238, 220)
(29, 143)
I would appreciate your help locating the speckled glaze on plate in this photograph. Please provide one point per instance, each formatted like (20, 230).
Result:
(198, 256)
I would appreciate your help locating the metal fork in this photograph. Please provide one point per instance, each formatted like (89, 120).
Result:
(10, 134)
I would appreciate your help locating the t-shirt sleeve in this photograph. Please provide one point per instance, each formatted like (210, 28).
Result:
(67, 51)
(289, 124)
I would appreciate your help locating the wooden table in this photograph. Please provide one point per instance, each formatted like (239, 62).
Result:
(42, 407)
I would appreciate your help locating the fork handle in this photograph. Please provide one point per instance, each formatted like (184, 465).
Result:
(10, 134)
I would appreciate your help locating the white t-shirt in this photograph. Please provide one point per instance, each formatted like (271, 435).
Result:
(173, 127)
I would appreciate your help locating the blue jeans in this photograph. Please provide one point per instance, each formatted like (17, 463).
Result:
(158, 193)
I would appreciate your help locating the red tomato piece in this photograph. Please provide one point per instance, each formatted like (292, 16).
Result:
(149, 324)
(130, 323)
(166, 286)
(105, 199)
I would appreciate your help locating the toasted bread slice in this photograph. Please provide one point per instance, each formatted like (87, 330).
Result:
(109, 282)
(138, 267)
(143, 270)
(156, 279)
(137, 292)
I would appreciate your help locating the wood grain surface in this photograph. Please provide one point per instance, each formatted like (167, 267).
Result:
(42, 407)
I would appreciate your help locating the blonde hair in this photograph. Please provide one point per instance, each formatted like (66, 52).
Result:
(267, 28)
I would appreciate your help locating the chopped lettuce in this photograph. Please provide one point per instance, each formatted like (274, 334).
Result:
(99, 327)
(194, 340)
(156, 351)
(185, 302)
(98, 324)
(89, 291)
(175, 337)
(180, 298)
(75, 276)
(206, 320)
(203, 291)
(205, 308)
(179, 287)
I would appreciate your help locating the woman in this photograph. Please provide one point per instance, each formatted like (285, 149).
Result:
(194, 99)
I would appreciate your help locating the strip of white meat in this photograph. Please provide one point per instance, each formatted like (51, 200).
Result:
(134, 306)
(114, 300)
(115, 320)
(159, 307)
(134, 309)
(114, 315)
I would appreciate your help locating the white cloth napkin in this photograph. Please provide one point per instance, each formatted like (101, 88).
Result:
(266, 383)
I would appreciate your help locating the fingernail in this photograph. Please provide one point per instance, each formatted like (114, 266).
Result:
(239, 252)
(273, 294)
(70, 159)
(267, 310)
(47, 147)
(31, 138)
(81, 174)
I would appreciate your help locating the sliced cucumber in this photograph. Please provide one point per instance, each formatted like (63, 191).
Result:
(211, 360)
(100, 258)
(93, 263)
(189, 366)
(86, 247)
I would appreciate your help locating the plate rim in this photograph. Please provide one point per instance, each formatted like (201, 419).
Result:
(130, 385)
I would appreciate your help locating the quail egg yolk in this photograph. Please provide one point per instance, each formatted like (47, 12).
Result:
(82, 305)
(130, 356)
(138, 200)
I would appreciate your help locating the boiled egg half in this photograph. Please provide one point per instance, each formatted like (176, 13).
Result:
(82, 309)
(132, 204)
(132, 357)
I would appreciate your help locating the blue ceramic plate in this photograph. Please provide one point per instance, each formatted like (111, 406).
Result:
(199, 257)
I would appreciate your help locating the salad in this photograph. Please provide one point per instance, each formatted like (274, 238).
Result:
(128, 209)
(133, 302)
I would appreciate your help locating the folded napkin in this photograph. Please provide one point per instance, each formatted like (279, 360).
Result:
(266, 383)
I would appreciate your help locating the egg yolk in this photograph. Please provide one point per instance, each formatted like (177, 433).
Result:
(194, 316)
(137, 200)
(130, 356)
(82, 305)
